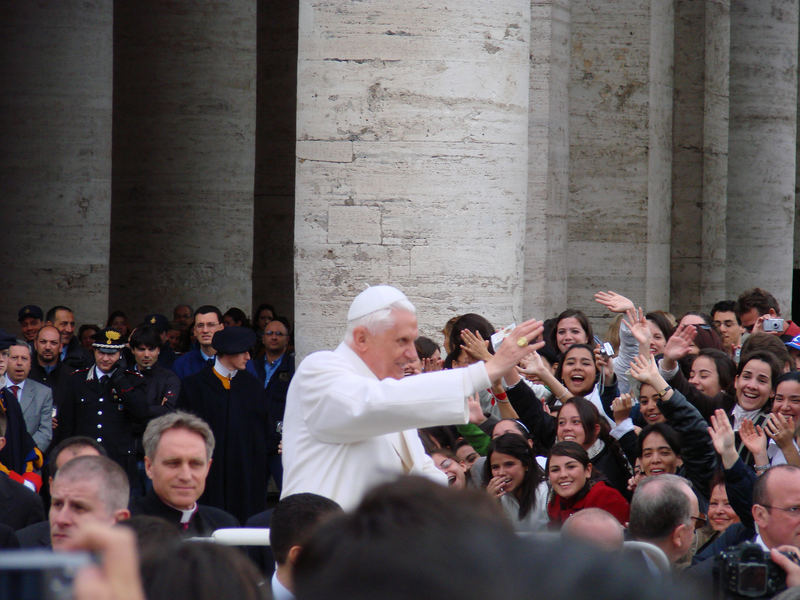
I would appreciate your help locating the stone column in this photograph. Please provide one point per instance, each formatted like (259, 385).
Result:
(184, 146)
(548, 160)
(55, 156)
(700, 154)
(761, 165)
(411, 159)
(620, 151)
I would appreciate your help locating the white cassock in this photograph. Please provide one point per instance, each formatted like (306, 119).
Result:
(345, 431)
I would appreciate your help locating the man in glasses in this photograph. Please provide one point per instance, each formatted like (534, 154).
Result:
(755, 303)
(275, 370)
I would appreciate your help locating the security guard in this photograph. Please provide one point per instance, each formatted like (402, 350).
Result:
(105, 402)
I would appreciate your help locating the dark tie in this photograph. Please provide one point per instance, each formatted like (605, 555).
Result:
(104, 380)
(15, 391)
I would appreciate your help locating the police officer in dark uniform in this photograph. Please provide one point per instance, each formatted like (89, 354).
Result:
(162, 388)
(105, 402)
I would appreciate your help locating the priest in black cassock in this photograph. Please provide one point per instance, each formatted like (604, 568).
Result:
(232, 402)
(178, 448)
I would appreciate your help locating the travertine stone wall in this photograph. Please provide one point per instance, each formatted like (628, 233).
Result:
(548, 160)
(55, 159)
(700, 154)
(411, 159)
(184, 152)
(273, 206)
(620, 99)
(761, 165)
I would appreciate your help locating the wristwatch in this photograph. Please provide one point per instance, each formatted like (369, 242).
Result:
(663, 392)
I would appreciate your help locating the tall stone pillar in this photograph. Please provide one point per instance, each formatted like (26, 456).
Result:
(761, 164)
(620, 151)
(55, 156)
(412, 160)
(700, 154)
(548, 160)
(184, 152)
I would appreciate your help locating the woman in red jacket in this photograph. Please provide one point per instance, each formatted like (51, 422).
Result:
(570, 473)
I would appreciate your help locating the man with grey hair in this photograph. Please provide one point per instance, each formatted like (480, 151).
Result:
(87, 489)
(351, 416)
(664, 511)
(178, 448)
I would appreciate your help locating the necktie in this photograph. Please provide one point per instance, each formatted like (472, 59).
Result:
(15, 391)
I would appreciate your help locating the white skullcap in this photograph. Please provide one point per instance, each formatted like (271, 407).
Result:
(374, 298)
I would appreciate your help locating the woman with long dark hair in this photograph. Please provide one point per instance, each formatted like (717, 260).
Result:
(516, 480)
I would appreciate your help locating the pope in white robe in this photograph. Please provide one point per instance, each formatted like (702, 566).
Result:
(351, 416)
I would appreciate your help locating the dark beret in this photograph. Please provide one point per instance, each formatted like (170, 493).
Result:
(6, 340)
(159, 322)
(233, 340)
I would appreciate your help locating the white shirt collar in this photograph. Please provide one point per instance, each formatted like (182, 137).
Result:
(223, 370)
(280, 591)
(20, 385)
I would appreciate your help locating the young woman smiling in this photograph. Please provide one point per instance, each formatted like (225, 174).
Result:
(571, 478)
(516, 480)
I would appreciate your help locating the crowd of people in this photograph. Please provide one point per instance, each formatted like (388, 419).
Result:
(667, 441)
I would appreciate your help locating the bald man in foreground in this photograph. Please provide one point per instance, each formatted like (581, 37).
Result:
(351, 416)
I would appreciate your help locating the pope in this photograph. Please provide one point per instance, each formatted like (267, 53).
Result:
(351, 415)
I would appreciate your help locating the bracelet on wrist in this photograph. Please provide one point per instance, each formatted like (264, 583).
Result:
(761, 468)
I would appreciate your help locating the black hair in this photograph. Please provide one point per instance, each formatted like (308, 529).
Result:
(114, 315)
(672, 437)
(145, 335)
(425, 347)
(294, 519)
(661, 322)
(726, 368)
(76, 441)
(237, 314)
(516, 446)
(757, 298)
(475, 323)
(584, 322)
(208, 308)
(563, 356)
(51, 314)
(726, 306)
(764, 356)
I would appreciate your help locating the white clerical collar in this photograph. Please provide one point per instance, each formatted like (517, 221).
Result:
(186, 515)
(223, 370)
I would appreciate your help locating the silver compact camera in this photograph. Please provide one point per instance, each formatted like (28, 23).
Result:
(772, 325)
(39, 574)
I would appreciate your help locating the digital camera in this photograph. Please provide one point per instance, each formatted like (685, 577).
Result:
(39, 574)
(772, 325)
(747, 571)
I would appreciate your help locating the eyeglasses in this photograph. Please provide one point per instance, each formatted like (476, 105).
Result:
(278, 333)
(699, 522)
(792, 510)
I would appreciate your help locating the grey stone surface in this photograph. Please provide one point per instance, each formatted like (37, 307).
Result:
(700, 153)
(548, 160)
(55, 158)
(620, 103)
(412, 159)
(761, 164)
(184, 155)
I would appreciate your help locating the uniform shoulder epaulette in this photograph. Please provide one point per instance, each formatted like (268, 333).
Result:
(135, 373)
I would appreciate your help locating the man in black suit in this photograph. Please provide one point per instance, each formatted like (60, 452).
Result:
(231, 400)
(19, 506)
(276, 369)
(178, 448)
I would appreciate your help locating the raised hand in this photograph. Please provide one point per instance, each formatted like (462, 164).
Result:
(613, 301)
(755, 440)
(476, 416)
(515, 347)
(641, 331)
(532, 365)
(780, 429)
(645, 370)
(429, 365)
(680, 343)
(604, 364)
(621, 407)
(722, 436)
(475, 345)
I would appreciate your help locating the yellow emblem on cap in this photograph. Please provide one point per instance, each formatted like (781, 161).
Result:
(112, 336)
(153, 320)
(27, 311)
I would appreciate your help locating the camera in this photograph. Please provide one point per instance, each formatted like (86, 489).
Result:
(39, 574)
(747, 571)
(772, 325)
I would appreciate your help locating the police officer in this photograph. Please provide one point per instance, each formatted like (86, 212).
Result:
(105, 402)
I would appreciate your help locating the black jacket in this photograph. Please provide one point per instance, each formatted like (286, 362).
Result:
(19, 506)
(237, 481)
(109, 412)
(275, 392)
(202, 524)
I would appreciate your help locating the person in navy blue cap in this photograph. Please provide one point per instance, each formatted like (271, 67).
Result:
(793, 346)
(31, 319)
(231, 400)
